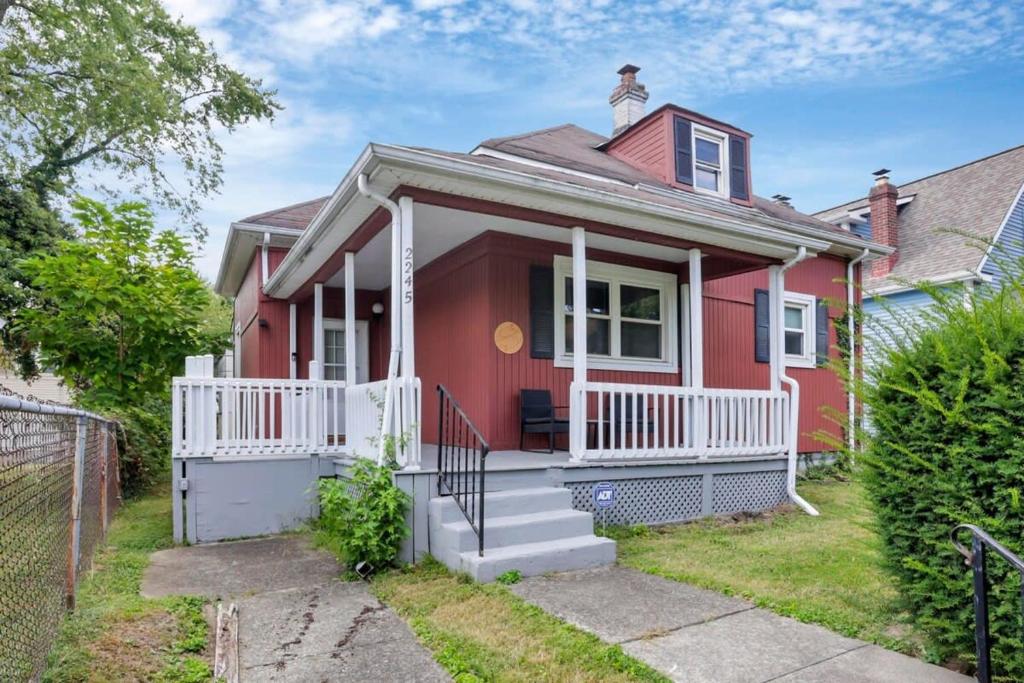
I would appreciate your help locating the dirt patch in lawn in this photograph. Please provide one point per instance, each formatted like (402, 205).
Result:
(133, 648)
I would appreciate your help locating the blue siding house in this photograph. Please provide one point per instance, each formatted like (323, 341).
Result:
(957, 228)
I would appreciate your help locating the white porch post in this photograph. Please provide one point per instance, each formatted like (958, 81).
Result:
(350, 319)
(696, 321)
(407, 267)
(577, 394)
(318, 328)
(292, 362)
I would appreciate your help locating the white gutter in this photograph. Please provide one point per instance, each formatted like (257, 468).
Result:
(396, 321)
(794, 388)
(851, 404)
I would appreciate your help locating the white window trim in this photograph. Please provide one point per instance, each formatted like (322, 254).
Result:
(699, 131)
(666, 283)
(809, 359)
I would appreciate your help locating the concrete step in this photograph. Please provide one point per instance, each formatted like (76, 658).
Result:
(505, 503)
(535, 527)
(532, 559)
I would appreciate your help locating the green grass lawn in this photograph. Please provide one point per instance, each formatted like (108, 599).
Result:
(824, 570)
(487, 633)
(114, 634)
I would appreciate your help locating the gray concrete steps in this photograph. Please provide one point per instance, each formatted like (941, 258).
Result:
(504, 503)
(533, 559)
(532, 530)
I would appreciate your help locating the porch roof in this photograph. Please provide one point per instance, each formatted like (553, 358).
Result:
(609, 201)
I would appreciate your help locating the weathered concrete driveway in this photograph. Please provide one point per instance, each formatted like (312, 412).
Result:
(700, 636)
(296, 620)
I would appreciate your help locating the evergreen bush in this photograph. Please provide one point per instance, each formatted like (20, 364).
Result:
(945, 447)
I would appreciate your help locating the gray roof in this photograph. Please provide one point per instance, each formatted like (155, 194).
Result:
(569, 151)
(973, 198)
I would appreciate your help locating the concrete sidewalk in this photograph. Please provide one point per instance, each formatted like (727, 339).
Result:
(297, 621)
(698, 636)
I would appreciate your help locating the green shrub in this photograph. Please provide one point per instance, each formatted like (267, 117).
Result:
(364, 517)
(144, 443)
(947, 447)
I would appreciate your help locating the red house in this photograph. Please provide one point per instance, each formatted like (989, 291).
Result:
(707, 329)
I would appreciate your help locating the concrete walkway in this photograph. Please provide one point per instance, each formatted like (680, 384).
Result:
(698, 636)
(297, 621)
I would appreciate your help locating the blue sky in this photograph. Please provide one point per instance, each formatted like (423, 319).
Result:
(831, 90)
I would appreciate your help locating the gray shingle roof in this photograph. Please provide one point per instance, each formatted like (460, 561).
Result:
(973, 198)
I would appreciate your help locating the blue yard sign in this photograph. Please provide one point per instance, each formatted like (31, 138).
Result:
(604, 495)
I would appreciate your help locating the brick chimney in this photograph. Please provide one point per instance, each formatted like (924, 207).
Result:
(884, 221)
(627, 100)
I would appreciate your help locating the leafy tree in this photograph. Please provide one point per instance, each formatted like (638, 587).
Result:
(121, 86)
(25, 227)
(117, 310)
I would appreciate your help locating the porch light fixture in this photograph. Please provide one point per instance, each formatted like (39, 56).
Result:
(377, 309)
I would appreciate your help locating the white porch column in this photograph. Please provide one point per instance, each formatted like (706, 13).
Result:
(405, 205)
(775, 323)
(696, 320)
(318, 328)
(292, 361)
(350, 319)
(577, 396)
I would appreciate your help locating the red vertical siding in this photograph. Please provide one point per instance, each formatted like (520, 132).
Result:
(646, 147)
(729, 340)
(334, 307)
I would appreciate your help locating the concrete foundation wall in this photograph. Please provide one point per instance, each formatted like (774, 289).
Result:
(216, 500)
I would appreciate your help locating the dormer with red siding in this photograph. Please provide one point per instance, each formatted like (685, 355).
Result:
(679, 147)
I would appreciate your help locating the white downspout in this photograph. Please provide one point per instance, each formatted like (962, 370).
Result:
(794, 387)
(851, 403)
(265, 259)
(396, 321)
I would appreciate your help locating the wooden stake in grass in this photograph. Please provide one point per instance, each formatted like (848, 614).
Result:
(225, 658)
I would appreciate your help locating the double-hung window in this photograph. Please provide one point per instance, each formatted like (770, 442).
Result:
(631, 317)
(710, 161)
(798, 329)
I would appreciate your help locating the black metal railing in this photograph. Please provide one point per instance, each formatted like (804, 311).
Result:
(461, 460)
(981, 543)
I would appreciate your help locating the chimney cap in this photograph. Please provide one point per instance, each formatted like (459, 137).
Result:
(628, 69)
(781, 198)
(881, 172)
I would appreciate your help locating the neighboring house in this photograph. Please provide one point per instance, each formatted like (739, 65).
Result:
(47, 387)
(956, 228)
(705, 314)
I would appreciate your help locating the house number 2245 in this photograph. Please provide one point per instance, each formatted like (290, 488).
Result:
(407, 275)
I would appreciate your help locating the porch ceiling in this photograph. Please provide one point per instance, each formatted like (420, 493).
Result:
(437, 230)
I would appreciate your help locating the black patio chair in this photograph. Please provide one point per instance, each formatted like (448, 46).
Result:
(537, 416)
(624, 417)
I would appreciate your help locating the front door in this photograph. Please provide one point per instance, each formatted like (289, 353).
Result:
(334, 364)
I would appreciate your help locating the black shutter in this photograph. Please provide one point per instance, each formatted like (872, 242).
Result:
(738, 168)
(762, 327)
(821, 331)
(542, 312)
(684, 151)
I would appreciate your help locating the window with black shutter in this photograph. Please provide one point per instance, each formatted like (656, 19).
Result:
(542, 312)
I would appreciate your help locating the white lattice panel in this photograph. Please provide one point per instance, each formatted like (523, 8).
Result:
(748, 491)
(645, 501)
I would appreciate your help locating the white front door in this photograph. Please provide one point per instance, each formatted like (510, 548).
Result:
(334, 363)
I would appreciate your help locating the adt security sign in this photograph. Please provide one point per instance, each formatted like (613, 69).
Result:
(604, 495)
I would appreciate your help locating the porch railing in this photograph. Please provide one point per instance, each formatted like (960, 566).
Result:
(981, 545)
(615, 421)
(461, 462)
(221, 417)
(364, 409)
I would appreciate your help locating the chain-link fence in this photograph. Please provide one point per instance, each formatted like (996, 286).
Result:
(58, 489)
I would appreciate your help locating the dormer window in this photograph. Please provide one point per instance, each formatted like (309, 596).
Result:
(708, 161)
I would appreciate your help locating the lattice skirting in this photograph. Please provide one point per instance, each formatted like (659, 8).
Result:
(676, 498)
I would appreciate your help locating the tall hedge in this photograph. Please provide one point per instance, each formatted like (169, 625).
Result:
(946, 446)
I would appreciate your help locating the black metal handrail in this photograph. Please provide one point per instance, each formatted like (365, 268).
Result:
(461, 460)
(980, 543)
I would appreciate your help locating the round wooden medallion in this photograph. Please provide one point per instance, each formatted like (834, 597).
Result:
(508, 337)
